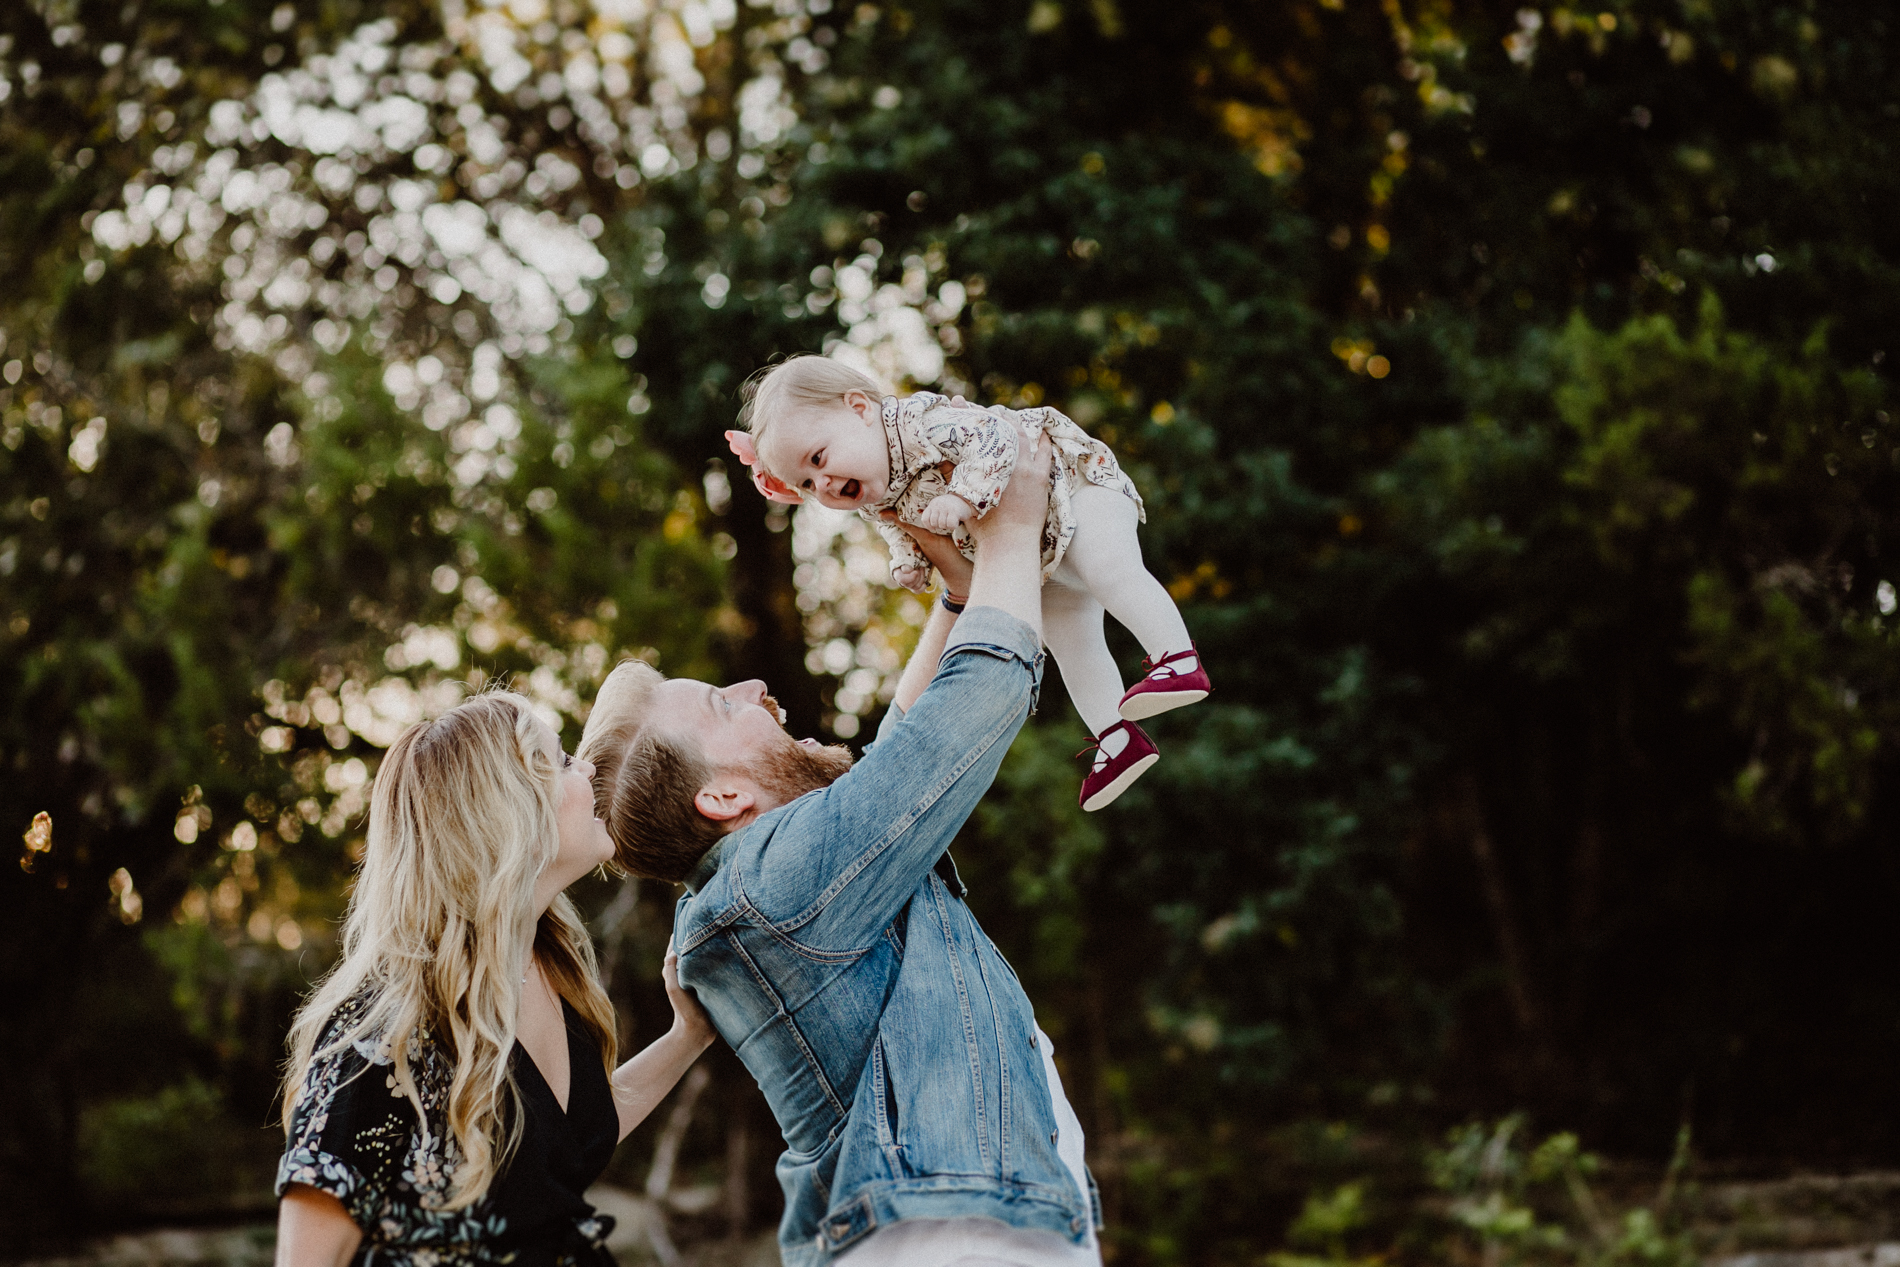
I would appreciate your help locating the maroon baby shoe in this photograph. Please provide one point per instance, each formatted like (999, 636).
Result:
(1167, 685)
(1111, 776)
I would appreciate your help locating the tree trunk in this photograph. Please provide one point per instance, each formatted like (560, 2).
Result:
(1504, 922)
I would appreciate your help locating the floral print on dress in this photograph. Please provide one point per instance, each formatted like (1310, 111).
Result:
(355, 1134)
(938, 448)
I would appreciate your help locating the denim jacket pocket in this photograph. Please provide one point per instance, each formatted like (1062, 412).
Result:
(890, 1118)
(897, 932)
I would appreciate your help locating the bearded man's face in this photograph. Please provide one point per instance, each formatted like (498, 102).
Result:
(741, 729)
(795, 768)
(790, 770)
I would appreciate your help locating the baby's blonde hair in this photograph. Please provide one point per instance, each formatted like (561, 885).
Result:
(801, 381)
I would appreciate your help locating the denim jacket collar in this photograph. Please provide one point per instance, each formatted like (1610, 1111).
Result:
(708, 866)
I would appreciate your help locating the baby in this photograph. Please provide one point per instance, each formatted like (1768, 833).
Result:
(820, 429)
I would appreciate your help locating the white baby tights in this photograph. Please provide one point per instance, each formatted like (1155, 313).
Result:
(1103, 570)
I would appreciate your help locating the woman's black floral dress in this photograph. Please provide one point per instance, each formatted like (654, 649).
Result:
(355, 1136)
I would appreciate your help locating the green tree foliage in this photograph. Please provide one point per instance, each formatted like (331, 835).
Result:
(1508, 387)
(230, 578)
(1523, 738)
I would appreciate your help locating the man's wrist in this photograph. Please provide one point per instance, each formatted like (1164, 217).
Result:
(1009, 537)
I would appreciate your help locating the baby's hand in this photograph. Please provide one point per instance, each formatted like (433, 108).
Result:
(944, 513)
(911, 578)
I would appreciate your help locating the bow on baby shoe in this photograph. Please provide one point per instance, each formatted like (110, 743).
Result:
(773, 488)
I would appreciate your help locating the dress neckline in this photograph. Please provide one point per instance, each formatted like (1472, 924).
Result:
(568, 1016)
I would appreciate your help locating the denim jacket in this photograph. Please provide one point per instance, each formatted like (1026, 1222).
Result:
(893, 1042)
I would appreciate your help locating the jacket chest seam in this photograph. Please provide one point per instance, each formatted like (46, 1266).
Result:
(897, 829)
(781, 935)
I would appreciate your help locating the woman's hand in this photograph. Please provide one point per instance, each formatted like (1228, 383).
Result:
(641, 1083)
(689, 1018)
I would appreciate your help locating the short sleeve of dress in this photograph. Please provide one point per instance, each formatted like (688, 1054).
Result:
(982, 444)
(349, 1132)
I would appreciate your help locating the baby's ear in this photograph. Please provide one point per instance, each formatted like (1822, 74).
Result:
(742, 447)
(774, 488)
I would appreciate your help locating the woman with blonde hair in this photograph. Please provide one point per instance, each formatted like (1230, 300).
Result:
(451, 1090)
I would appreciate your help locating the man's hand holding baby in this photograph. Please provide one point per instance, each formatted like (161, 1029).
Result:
(944, 513)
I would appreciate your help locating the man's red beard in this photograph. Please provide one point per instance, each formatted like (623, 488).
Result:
(791, 771)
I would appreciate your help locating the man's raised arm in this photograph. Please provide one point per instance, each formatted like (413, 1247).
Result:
(922, 665)
(1009, 540)
(874, 833)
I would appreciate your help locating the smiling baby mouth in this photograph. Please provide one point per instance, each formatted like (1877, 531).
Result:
(850, 490)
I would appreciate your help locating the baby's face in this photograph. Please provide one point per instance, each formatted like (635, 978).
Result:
(834, 453)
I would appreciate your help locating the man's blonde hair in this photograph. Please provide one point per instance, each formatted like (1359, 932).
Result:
(645, 782)
(441, 922)
(801, 381)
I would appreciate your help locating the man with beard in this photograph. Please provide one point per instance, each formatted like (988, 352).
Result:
(823, 928)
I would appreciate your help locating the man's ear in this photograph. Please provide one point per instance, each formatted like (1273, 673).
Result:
(725, 800)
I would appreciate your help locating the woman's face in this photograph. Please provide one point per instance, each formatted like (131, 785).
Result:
(584, 843)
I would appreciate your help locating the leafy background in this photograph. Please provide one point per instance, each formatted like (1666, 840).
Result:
(1509, 389)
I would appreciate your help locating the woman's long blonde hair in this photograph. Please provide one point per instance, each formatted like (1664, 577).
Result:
(440, 925)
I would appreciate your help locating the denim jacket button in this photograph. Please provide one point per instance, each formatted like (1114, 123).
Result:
(1053, 1134)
